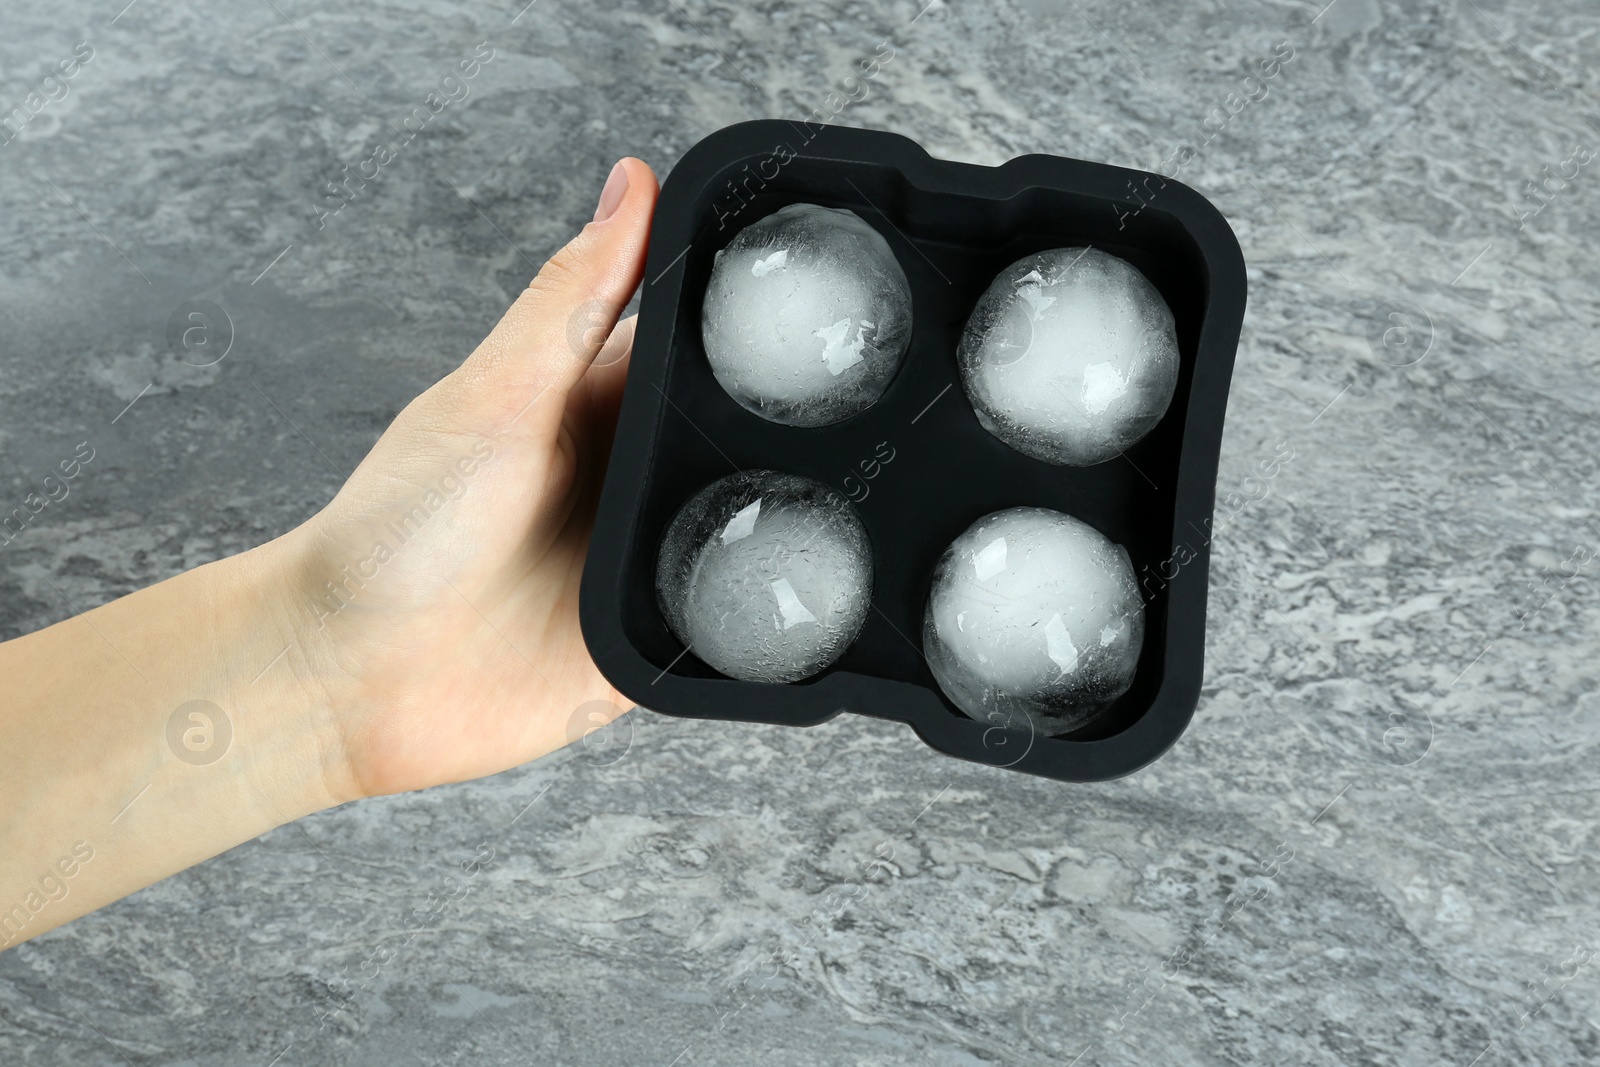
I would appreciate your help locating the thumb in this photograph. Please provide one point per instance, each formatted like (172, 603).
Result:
(550, 336)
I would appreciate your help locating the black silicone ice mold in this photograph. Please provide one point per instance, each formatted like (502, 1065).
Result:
(917, 464)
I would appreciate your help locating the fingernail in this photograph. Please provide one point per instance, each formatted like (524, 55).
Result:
(616, 188)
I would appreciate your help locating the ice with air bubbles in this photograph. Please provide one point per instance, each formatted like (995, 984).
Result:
(1070, 356)
(766, 577)
(806, 316)
(1034, 620)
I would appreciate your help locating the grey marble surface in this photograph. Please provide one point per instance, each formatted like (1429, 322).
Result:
(1374, 846)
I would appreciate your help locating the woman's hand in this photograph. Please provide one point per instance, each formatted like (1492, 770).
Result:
(422, 628)
(438, 591)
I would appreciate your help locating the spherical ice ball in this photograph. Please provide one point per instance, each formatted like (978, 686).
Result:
(1034, 620)
(807, 316)
(766, 577)
(1070, 356)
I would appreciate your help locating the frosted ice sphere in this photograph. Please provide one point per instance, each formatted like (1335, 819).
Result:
(767, 577)
(806, 316)
(1070, 356)
(1034, 619)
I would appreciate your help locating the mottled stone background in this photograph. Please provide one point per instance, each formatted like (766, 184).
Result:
(1374, 846)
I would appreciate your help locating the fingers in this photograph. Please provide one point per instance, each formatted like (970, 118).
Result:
(557, 327)
(609, 371)
(602, 389)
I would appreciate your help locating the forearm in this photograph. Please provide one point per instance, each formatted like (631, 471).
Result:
(113, 774)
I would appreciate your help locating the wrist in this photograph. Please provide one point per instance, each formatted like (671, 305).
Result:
(278, 675)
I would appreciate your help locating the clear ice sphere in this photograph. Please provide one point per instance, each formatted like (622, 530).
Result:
(807, 316)
(1070, 356)
(1034, 620)
(766, 577)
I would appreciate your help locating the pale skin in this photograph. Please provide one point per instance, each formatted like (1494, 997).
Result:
(446, 648)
